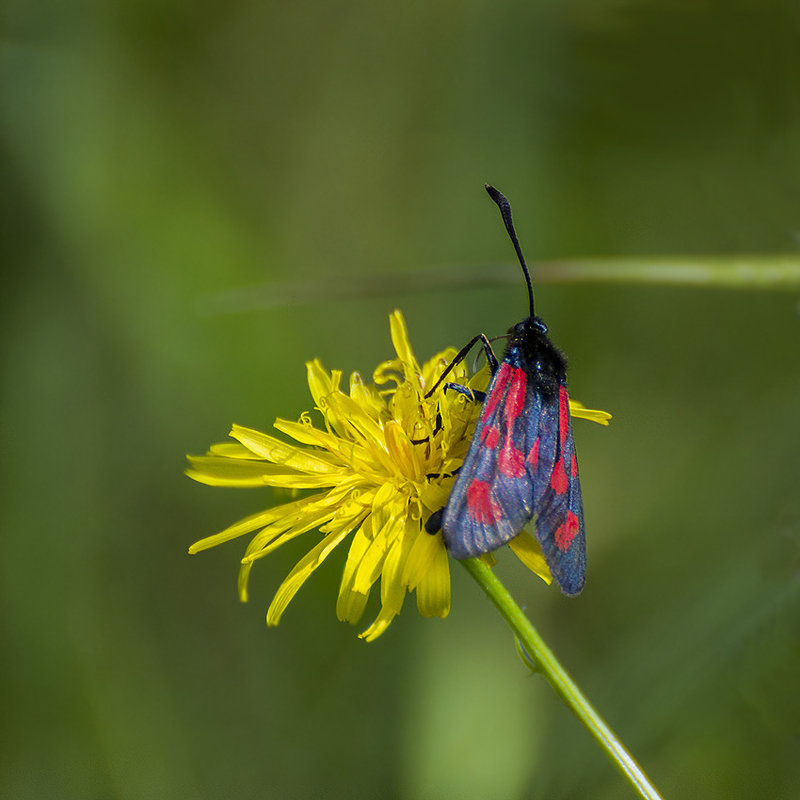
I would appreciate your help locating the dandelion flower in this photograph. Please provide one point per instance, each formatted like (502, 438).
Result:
(381, 465)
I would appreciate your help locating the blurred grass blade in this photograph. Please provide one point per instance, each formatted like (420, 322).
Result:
(776, 272)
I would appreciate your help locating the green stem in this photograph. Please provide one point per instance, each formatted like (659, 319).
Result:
(756, 271)
(557, 676)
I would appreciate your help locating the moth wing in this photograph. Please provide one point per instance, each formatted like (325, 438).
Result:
(559, 502)
(493, 497)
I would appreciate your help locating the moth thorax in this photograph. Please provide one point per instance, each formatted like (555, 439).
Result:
(540, 358)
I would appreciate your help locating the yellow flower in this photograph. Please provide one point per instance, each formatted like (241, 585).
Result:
(383, 463)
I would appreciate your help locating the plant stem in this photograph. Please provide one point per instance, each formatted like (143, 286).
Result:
(756, 271)
(557, 676)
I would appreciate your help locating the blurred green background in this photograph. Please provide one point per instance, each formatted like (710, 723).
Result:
(157, 156)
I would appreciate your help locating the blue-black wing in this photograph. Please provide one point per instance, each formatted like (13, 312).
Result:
(559, 502)
(521, 462)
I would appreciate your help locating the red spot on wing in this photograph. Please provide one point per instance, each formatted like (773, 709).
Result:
(573, 470)
(480, 505)
(515, 400)
(501, 380)
(533, 456)
(511, 462)
(566, 531)
(563, 415)
(490, 437)
(558, 480)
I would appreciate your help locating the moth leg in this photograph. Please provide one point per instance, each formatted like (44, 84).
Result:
(470, 394)
(436, 430)
(434, 522)
(457, 387)
(431, 475)
(463, 353)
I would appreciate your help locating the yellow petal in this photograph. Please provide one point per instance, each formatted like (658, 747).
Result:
(352, 491)
(480, 380)
(220, 471)
(528, 551)
(251, 523)
(435, 493)
(434, 367)
(366, 396)
(280, 452)
(357, 419)
(322, 386)
(369, 452)
(369, 568)
(320, 383)
(382, 622)
(326, 516)
(301, 481)
(307, 434)
(297, 577)
(402, 346)
(233, 450)
(392, 590)
(433, 590)
(350, 604)
(282, 531)
(401, 451)
(388, 371)
(422, 556)
(580, 411)
(387, 521)
(244, 578)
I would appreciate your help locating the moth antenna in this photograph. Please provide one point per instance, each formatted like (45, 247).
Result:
(505, 210)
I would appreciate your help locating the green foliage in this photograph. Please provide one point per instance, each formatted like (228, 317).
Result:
(158, 156)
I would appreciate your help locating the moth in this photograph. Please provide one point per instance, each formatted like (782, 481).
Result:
(521, 463)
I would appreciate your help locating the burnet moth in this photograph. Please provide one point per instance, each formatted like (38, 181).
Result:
(521, 462)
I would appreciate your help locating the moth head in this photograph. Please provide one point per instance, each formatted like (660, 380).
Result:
(531, 325)
(538, 325)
